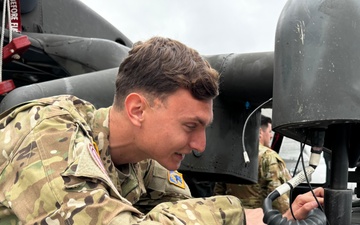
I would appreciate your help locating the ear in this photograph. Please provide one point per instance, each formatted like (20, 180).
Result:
(260, 132)
(135, 105)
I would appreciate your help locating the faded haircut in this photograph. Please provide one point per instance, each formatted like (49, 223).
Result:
(265, 122)
(160, 66)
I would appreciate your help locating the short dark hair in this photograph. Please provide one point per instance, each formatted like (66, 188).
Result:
(160, 66)
(265, 121)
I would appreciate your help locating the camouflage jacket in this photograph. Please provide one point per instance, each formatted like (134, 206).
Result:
(272, 172)
(55, 168)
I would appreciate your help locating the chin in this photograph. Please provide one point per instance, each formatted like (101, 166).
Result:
(171, 166)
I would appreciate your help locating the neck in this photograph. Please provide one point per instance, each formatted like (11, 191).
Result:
(261, 142)
(122, 143)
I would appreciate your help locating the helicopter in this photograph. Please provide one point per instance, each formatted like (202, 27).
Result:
(42, 57)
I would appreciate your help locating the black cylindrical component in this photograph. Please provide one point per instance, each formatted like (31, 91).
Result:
(339, 157)
(316, 66)
(337, 206)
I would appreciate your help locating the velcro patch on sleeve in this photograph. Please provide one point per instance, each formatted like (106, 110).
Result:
(176, 178)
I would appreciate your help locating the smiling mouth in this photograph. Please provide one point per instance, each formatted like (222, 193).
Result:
(180, 154)
(184, 154)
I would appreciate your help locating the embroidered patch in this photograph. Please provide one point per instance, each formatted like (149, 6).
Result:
(176, 179)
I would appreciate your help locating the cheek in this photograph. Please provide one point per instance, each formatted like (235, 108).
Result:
(161, 134)
(165, 134)
(171, 140)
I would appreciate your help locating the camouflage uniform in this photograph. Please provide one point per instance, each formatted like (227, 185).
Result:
(55, 168)
(272, 173)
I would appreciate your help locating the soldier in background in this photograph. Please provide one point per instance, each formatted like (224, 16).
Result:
(64, 162)
(272, 173)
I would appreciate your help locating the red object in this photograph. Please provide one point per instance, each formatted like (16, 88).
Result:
(17, 46)
(6, 86)
(15, 16)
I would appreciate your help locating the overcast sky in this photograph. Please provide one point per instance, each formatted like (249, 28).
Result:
(209, 26)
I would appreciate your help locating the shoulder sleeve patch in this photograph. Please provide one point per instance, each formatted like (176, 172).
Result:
(176, 178)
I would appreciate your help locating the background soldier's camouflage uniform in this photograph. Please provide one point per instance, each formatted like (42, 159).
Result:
(272, 173)
(51, 173)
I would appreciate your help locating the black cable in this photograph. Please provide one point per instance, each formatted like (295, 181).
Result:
(308, 181)
(302, 146)
(274, 217)
(291, 209)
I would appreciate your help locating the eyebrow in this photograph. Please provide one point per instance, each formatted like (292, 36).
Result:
(203, 123)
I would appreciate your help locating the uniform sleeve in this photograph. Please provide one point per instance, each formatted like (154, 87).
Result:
(275, 173)
(216, 210)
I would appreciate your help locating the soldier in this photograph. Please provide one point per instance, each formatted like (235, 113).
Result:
(271, 174)
(64, 162)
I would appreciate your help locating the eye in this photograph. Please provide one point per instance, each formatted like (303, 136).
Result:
(191, 126)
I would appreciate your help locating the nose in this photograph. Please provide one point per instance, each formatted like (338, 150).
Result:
(198, 141)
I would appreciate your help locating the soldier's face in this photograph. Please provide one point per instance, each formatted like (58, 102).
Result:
(266, 135)
(175, 127)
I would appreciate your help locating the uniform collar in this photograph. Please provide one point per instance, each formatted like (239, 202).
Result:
(101, 134)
